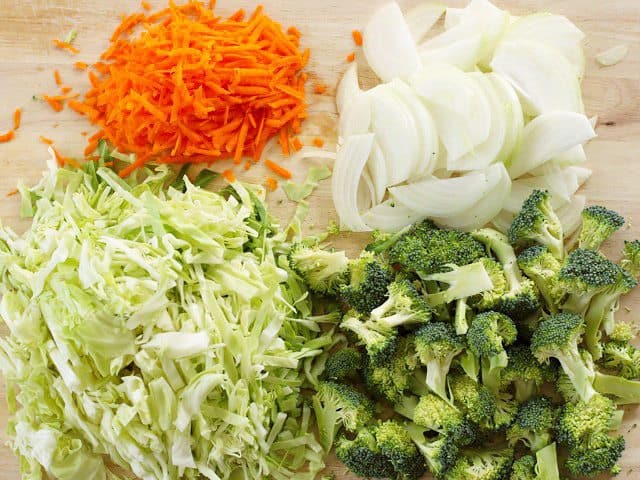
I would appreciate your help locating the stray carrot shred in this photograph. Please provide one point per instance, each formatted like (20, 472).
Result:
(7, 137)
(351, 57)
(53, 103)
(84, 133)
(318, 142)
(357, 37)
(12, 192)
(297, 144)
(80, 66)
(46, 141)
(293, 31)
(272, 183)
(65, 46)
(146, 5)
(62, 161)
(278, 169)
(320, 88)
(17, 118)
(57, 78)
(65, 90)
(229, 176)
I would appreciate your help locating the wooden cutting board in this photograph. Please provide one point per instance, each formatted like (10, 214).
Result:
(28, 60)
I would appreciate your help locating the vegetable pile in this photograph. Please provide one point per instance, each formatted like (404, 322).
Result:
(466, 124)
(161, 328)
(479, 356)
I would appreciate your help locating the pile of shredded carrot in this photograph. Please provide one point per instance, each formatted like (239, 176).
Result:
(184, 86)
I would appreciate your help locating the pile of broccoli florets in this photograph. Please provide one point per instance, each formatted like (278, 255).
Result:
(479, 356)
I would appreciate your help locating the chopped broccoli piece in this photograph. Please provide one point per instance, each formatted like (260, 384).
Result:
(533, 424)
(601, 459)
(464, 282)
(506, 410)
(631, 257)
(440, 454)
(544, 466)
(487, 337)
(525, 372)
(558, 336)
(437, 415)
(343, 364)
(363, 455)
(403, 306)
(518, 298)
(475, 400)
(486, 464)
(337, 405)
(598, 224)
(380, 343)
(436, 345)
(369, 278)
(541, 266)
(564, 386)
(622, 358)
(624, 391)
(537, 223)
(398, 447)
(383, 241)
(524, 468)
(324, 271)
(623, 332)
(390, 380)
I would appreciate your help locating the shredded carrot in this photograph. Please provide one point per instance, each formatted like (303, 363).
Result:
(297, 144)
(293, 31)
(65, 89)
(17, 118)
(195, 87)
(80, 66)
(272, 183)
(146, 5)
(53, 103)
(278, 169)
(46, 141)
(7, 137)
(62, 161)
(229, 176)
(318, 142)
(357, 37)
(12, 192)
(351, 57)
(65, 46)
(57, 78)
(320, 88)
(84, 133)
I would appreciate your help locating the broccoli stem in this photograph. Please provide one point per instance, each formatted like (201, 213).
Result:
(616, 420)
(461, 323)
(470, 364)
(525, 390)
(437, 371)
(593, 320)
(581, 376)
(625, 391)
(491, 370)
(328, 424)
(547, 463)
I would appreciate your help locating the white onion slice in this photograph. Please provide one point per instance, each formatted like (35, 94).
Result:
(613, 55)
(390, 217)
(422, 18)
(348, 88)
(547, 136)
(570, 215)
(463, 53)
(452, 17)
(310, 152)
(366, 192)
(355, 119)
(554, 31)
(388, 45)
(345, 180)
(542, 76)
(377, 168)
(515, 117)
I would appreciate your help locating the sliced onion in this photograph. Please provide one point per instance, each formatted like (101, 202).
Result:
(366, 192)
(548, 136)
(452, 17)
(612, 56)
(348, 88)
(355, 119)
(388, 45)
(390, 217)
(310, 152)
(594, 121)
(422, 18)
(554, 31)
(570, 215)
(502, 221)
(542, 76)
(515, 117)
(377, 168)
(347, 171)
(463, 53)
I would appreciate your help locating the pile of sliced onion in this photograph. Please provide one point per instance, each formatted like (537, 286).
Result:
(465, 123)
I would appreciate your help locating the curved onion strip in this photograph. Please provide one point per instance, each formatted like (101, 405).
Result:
(422, 18)
(452, 17)
(515, 117)
(463, 53)
(570, 215)
(542, 76)
(388, 45)
(345, 180)
(390, 217)
(547, 136)
(613, 55)
(348, 88)
(310, 152)
(366, 192)
(377, 168)
(356, 117)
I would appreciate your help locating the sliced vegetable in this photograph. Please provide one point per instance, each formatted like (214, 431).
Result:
(422, 17)
(348, 88)
(613, 55)
(570, 215)
(390, 216)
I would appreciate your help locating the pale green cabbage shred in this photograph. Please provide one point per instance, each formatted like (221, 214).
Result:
(158, 328)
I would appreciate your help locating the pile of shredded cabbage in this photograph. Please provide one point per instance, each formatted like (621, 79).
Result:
(159, 328)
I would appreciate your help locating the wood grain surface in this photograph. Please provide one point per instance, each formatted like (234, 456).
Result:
(28, 59)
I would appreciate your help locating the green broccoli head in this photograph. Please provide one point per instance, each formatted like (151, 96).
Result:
(476, 401)
(380, 343)
(524, 468)
(542, 267)
(440, 454)
(622, 358)
(404, 306)
(487, 464)
(631, 257)
(487, 337)
(506, 410)
(343, 364)
(392, 379)
(369, 278)
(558, 336)
(582, 425)
(564, 386)
(435, 414)
(363, 455)
(526, 373)
(537, 223)
(324, 271)
(337, 405)
(437, 344)
(601, 459)
(623, 332)
(396, 445)
(598, 224)
(533, 424)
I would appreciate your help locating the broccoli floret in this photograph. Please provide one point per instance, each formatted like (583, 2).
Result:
(598, 224)
(506, 410)
(403, 306)
(390, 380)
(398, 447)
(524, 468)
(435, 414)
(558, 336)
(564, 386)
(426, 250)
(464, 282)
(363, 455)
(544, 466)
(369, 278)
(343, 364)
(436, 345)
(533, 424)
(623, 332)
(324, 271)
(380, 343)
(337, 405)
(440, 454)
(525, 372)
(487, 337)
(622, 358)
(541, 266)
(519, 296)
(383, 241)
(487, 464)
(537, 223)
(631, 257)
(624, 391)
(601, 459)
(475, 400)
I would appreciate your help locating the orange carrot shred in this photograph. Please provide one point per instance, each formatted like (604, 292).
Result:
(272, 183)
(277, 169)
(80, 66)
(318, 142)
(17, 118)
(57, 78)
(320, 88)
(53, 103)
(357, 37)
(297, 144)
(146, 5)
(12, 192)
(84, 133)
(351, 57)
(65, 46)
(7, 137)
(229, 176)
(46, 141)
(65, 89)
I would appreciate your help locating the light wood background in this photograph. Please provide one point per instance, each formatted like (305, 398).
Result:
(28, 59)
